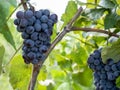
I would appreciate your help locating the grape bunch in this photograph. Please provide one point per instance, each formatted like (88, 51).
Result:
(105, 75)
(36, 28)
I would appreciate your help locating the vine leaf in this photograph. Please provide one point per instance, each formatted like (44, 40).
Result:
(4, 82)
(2, 51)
(4, 29)
(96, 13)
(112, 52)
(83, 77)
(70, 11)
(107, 3)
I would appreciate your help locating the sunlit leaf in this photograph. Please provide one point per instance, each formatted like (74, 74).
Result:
(84, 78)
(70, 10)
(4, 83)
(64, 86)
(20, 73)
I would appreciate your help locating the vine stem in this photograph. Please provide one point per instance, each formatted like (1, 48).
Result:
(36, 67)
(94, 30)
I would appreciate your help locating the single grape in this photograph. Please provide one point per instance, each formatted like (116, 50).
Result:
(44, 19)
(28, 14)
(20, 14)
(29, 43)
(53, 17)
(38, 14)
(25, 35)
(23, 22)
(46, 12)
(37, 27)
(30, 29)
(34, 36)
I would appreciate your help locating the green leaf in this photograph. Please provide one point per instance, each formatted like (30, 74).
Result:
(58, 75)
(110, 20)
(4, 29)
(76, 86)
(112, 51)
(4, 83)
(7, 35)
(84, 78)
(96, 13)
(107, 3)
(92, 3)
(2, 51)
(20, 73)
(13, 2)
(78, 54)
(70, 10)
(64, 86)
(118, 82)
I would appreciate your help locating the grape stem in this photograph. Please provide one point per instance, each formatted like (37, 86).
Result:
(94, 30)
(24, 4)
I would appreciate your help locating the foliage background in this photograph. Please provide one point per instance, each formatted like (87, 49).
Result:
(66, 67)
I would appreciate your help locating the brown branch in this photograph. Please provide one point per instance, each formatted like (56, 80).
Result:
(94, 30)
(24, 4)
(37, 67)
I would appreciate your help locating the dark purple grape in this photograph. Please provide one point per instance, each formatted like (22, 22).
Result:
(23, 22)
(35, 61)
(20, 14)
(25, 35)
(20, 29)
(34, 36)
(31, 55)
(17, 21)
(29, 43)
(54, 17)
(46, 12)
(44, 19)
(28, 14)
(31, 21)
(38, 14)
(30, 29)
(44, 26)
(37, 27)
(43, 49)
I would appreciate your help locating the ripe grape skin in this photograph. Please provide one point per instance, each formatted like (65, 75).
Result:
(53, 17)
(30, 29)
(28, 14)
(29, 43)
(44, 26)
(25, 35)
(46, 12)
(31, 55)
(23, 22)
(44, 19)
(38, 14)
(34, 36)
(20, 14)
(37, 27)
(16, 21)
